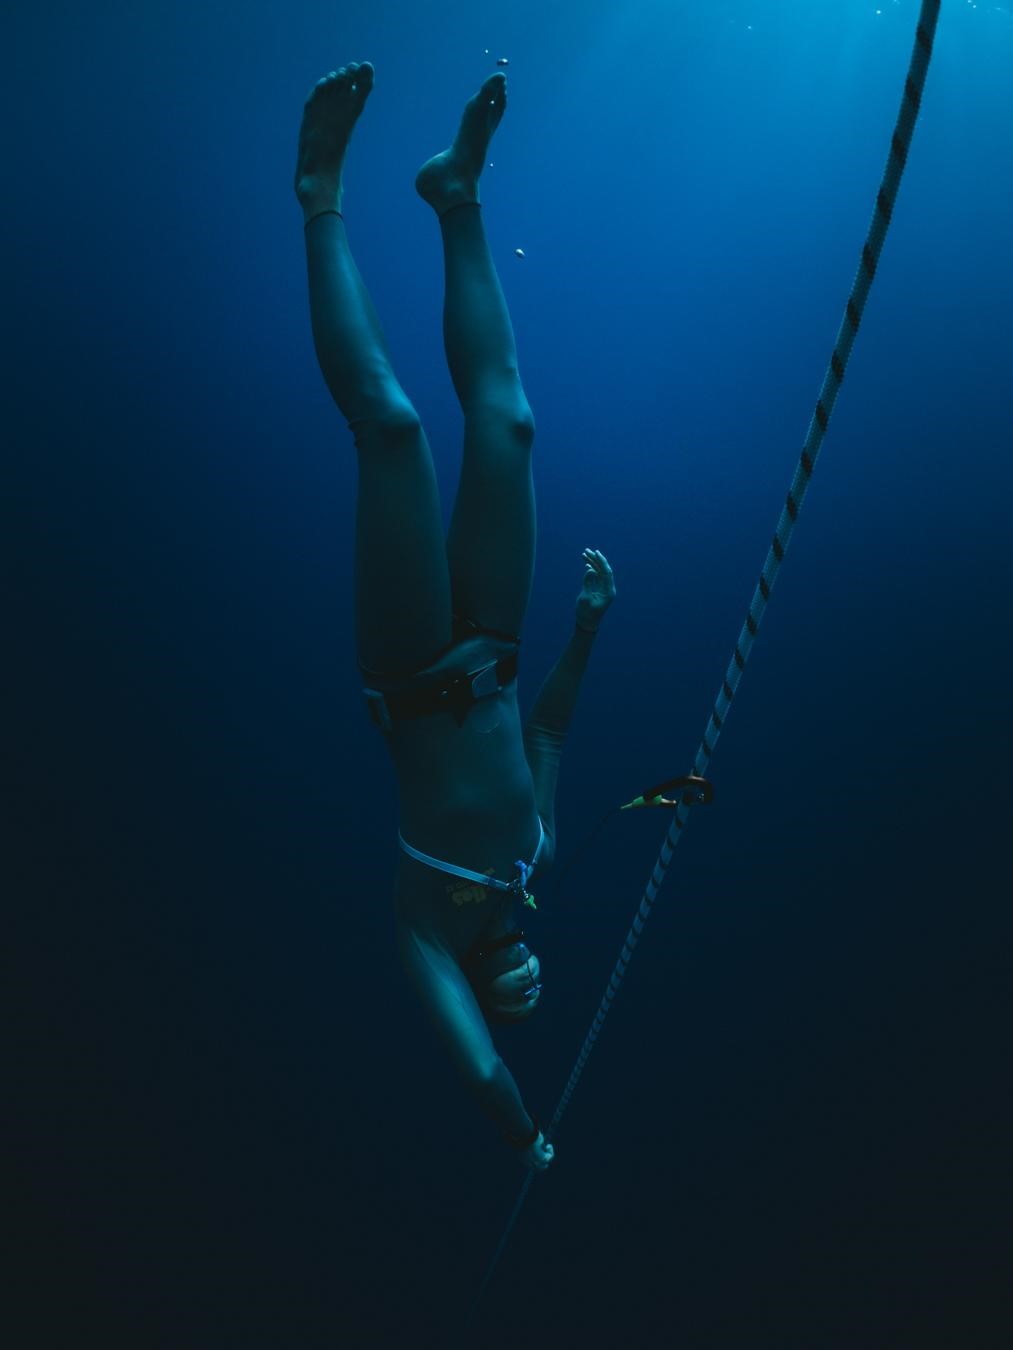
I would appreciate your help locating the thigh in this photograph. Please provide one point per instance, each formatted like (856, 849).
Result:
(402, 580)
(449, 1001)
(491, 543)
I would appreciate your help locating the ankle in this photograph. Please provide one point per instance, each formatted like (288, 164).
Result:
(452, 203)
(311, 216)
(316, 197)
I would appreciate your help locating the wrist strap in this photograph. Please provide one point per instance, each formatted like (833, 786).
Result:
(524, 1143)
(585, 630)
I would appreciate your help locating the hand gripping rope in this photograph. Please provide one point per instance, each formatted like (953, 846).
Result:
(871, 250)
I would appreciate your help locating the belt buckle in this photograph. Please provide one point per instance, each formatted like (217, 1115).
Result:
(485, 682)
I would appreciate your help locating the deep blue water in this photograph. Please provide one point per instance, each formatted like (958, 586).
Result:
(231, 1125)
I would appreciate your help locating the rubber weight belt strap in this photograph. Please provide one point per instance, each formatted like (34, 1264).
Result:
(871, 250)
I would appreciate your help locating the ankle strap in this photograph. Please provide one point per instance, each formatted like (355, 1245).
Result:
(323, 213)
(456, 207)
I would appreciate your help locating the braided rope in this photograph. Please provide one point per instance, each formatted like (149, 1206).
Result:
(885, 199)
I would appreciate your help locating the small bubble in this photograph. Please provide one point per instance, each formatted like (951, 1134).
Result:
(502, 61)
(519, 253)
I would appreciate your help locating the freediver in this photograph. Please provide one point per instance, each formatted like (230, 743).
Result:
(438, 620)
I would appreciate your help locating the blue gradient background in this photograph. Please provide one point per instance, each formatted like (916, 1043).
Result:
(231, 1124)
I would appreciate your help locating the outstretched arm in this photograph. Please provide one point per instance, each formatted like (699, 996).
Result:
(547, 726)
(450, 1002)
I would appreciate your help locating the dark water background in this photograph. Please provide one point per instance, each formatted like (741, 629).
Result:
(231, 1126)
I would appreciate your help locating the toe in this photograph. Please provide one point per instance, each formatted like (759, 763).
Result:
(317, 88)
(364, 79)
(358, 80)
(494, 92)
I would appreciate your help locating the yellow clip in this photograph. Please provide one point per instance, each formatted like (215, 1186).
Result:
(692, 791)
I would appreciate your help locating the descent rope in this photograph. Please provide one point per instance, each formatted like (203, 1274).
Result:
(871, 249)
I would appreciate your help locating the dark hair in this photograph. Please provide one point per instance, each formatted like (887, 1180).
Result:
(488, 962)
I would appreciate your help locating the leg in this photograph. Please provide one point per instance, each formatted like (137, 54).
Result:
(402, 586)
(491, 543)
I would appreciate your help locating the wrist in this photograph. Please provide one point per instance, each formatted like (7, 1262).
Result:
(587, 628)
(522, 1142)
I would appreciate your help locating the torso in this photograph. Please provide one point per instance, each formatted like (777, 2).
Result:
(466, 797)
(466, 793)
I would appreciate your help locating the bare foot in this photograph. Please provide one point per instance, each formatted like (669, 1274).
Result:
(331, 112)
(452, 176)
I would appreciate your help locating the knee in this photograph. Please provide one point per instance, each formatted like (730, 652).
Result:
(521, 424)
(510, 411)
(519, 421)
(392, 424)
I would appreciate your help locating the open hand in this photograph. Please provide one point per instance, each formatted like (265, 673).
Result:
(599, 589)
